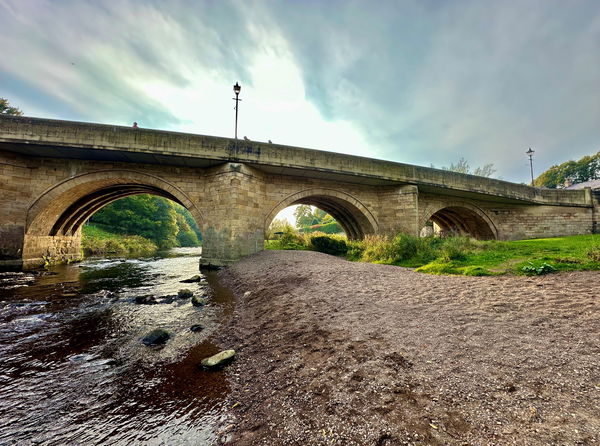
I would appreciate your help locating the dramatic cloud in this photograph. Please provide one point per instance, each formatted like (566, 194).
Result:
(414, 81)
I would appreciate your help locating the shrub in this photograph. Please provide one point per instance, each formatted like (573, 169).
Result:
(377, 249)
(290, 239)
(355, 251)
(544, 268)
(456, 248)
(404, 247)
(329, 245)
(594, 254)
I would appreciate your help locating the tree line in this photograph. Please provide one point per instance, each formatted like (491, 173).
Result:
(158, 219)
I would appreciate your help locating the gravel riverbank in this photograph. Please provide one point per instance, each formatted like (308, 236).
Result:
(341, 353)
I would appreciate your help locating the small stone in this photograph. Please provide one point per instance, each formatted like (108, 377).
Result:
(196, 278)
(145, 300)
(198, 301)
(157, 336)
(218, 360)
(184, 294)
(196, 328)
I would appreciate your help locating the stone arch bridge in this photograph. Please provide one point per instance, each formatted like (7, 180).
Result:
(55, 174)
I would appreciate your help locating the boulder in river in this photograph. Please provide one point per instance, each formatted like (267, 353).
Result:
(185, 293)
(218, 360)
(198, 301)
(157, 336)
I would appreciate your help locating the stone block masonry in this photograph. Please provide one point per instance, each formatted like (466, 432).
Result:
(54, 175)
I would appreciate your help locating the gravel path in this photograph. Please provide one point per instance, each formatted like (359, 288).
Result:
(341, 353)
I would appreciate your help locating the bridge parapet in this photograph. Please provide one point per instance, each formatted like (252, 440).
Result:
(66, 139)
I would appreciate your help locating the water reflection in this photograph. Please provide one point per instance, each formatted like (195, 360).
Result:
(73, 369)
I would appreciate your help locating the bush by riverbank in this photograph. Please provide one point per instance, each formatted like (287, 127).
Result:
(97, 241)
(457, 255)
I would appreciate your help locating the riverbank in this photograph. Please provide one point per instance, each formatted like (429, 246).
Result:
(343, 353)
(99, 242)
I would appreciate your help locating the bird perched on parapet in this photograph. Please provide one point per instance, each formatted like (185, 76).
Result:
(246, 138)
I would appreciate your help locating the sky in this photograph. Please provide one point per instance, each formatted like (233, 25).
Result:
(422, 82)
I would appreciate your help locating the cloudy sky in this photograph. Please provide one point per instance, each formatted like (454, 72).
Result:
(420, 82)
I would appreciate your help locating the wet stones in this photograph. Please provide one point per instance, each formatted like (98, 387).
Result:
(198, 301)
(157, 336)
(195, 279)
(152, 300)
(185, 294)
(146, 300)
(219, 360)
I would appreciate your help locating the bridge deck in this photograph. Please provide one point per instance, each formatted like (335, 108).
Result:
(76, 140)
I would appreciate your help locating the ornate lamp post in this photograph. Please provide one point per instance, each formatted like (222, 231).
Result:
(530, 153)
(236, 89)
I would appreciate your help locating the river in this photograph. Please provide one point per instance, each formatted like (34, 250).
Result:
(73, 369)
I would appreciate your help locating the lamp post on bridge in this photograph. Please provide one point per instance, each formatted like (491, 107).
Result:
(236, 89)
(530, 153)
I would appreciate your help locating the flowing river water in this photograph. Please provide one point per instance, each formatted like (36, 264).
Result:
(73, 369)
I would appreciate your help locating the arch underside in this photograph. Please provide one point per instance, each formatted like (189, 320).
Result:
(354, 218)
(464, 221)
(69, 222)
(64, 208)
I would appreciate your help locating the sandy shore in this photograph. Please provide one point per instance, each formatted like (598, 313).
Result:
(333, 352)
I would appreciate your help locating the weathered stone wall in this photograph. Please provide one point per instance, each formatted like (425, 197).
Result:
(233, 204)
(516, 221)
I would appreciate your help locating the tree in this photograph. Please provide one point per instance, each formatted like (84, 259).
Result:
(312, 219)
(304, 216)
(585, 169)
(6, 109)
(462, 166)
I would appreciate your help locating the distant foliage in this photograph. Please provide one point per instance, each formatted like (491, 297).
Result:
(585, 169)
(312, 219)
(155, 218)
(462, 166)
(6, 109)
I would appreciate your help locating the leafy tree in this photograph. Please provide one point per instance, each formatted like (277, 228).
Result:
(6, 109)
(312, 219)
(186, 236)
(304, 216)
(585, 169)
(462, 166)
(154, 218)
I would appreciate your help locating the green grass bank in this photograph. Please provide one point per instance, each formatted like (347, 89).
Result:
(457, 255)
(97, 241)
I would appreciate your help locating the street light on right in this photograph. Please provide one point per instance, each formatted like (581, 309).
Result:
(530, 153)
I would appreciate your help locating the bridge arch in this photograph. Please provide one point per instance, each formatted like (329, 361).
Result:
(62, 209)
(353, 216)
(463, 218)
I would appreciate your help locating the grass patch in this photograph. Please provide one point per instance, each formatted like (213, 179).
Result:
(97, 241)
(456, 255)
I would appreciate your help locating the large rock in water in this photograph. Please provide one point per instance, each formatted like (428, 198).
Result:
(157, 336)
(218, 360)
(185, 293)
(198, 301)
(192, 279)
